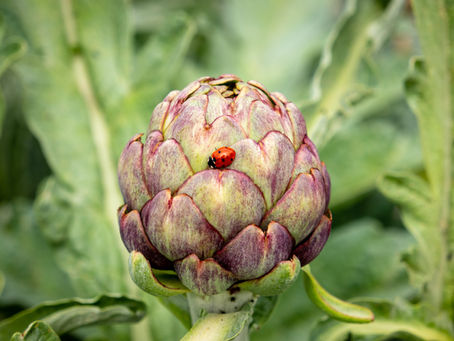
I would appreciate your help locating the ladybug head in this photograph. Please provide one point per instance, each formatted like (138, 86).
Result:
(211, 162)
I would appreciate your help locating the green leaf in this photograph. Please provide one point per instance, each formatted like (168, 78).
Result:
(279, 279)
(157, 66)
(161, 57)
(153, 282)
(21, 158)
(88, 23)
(36, 331)
(53, 210)
(334, 307)
(82, 105)
(412, 193)
(69, 314)
(57, 96)
(348, 44)
(2, 282)
(218, 327)
(231, 40)
(81, 102)
(392, 319)
(10, 49)
(179, 307)
(28, 282)
(355, 167)
(164, 322)
(429, 89)
(10, 52)
(262, 310)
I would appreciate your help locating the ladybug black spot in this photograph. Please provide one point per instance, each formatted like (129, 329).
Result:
(231, 159)
(222, 160)
(219, 152)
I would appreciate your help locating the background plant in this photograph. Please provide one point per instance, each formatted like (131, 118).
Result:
(78, 78)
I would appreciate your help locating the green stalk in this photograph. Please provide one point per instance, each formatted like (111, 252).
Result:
(224, 303)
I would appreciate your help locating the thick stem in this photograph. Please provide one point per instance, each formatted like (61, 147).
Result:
(223, 303)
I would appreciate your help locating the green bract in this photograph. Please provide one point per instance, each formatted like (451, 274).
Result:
(250, 225)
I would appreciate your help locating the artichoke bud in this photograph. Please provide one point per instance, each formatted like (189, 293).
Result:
(248, 222)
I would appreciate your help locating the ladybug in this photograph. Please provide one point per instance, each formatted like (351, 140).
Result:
(221, 157)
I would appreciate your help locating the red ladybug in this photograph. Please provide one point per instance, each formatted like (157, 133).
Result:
(221, 157)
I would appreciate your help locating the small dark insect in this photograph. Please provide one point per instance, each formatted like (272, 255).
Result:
(222, 157)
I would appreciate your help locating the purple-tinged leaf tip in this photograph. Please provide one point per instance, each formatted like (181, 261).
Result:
(177, 227)
(251, 254)
(134, 237)
(165, 164)
(130, 174)
(313, 245)
(301, 207)
(268, 163)
(204, 277)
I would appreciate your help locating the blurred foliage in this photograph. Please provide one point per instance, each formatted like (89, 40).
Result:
(79, 78)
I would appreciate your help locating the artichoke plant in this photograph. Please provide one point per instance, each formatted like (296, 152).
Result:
(250, 225)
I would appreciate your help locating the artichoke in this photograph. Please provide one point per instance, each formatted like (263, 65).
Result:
(251, 224)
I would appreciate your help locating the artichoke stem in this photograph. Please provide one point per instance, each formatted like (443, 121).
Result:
(223, 303)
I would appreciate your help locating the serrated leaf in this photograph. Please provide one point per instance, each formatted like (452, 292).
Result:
(334, 307)
(69, 314)
(392, 318)
(429, 89)
(218, 327)
(346, 47)
(413, 194)
(36, 331)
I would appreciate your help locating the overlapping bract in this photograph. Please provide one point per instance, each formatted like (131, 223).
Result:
(222, 227)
